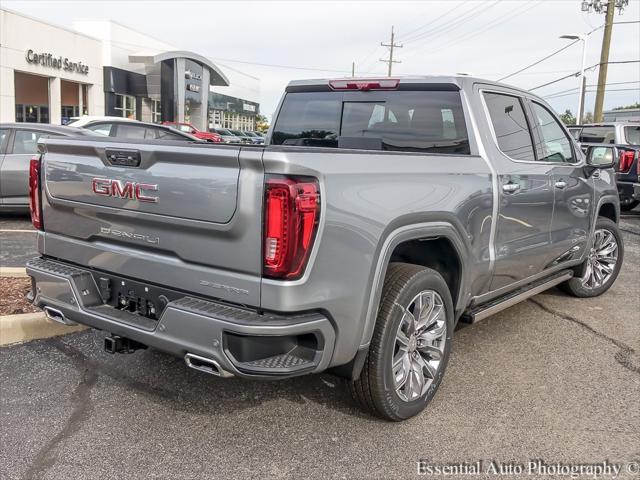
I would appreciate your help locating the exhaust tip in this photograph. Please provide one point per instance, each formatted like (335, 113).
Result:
(57, 316)
(206, 365)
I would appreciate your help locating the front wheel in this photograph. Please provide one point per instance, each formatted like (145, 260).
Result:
(601, 268)
(411, 344)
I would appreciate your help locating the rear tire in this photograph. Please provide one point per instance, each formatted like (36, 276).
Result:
(411, 344)
(602, 266)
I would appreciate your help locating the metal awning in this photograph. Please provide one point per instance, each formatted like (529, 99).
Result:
(216, 77)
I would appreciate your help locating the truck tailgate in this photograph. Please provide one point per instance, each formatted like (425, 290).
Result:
(185, 215)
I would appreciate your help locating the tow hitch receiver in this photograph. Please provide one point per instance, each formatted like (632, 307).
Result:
(116, 344)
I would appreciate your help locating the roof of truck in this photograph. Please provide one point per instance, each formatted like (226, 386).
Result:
(457, 79)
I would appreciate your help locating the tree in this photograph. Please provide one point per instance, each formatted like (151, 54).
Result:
(568, 118)
(262, 124)
(588, 117)
(635, 105)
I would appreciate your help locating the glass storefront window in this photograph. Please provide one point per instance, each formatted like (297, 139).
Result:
(32, 113)
(156, 111)
(125, 106)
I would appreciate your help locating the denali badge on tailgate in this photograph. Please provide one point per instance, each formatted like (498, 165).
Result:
(117, 188)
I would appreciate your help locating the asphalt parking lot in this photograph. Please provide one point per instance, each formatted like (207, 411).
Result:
(554, 378)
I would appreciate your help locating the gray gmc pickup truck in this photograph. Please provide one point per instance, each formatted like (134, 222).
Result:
(378, 214)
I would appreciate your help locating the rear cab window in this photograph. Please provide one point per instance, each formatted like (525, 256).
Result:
(428, 121)
(598, 134)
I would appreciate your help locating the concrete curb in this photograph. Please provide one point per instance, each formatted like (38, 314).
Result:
(31, 326)
(13, 272)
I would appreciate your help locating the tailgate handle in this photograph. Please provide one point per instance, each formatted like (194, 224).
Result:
(123, 158)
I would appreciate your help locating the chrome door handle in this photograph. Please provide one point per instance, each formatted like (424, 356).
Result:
(561, 184)
(510, 187)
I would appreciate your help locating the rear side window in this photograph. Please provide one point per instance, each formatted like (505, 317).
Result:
(101, 128)
(4, 137)
(162, 134)
(130, 131)
(410, 121)
(26, 142)
(632, 135)
(598, 135)
(510, 126)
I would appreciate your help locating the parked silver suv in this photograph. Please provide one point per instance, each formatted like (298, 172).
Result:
(379, 213)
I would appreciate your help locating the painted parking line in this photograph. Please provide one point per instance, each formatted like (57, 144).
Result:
(3, 230)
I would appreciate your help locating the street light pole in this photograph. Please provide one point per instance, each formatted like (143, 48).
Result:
(583, 82)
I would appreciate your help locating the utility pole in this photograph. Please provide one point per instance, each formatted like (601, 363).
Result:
(391, 46)
(609, 10)
(353, 69)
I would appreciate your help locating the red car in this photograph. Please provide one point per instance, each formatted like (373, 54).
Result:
(190, 129)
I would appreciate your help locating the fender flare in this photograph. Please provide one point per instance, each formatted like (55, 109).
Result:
(423, 230)
(612, 199)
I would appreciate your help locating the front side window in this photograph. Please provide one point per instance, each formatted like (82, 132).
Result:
(510, 126)
(410, 121)
(632, 134)
(555, 144)
(606, 134)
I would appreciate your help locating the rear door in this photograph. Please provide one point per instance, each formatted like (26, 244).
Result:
(573, 190)
(525, 193)
(171, 213)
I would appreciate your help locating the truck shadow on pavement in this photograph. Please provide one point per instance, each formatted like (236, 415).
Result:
(166, 380)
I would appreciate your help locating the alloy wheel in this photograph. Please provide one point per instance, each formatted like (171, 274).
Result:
(419, 345)
(602, 260)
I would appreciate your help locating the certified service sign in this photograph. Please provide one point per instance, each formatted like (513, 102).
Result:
(61, 63)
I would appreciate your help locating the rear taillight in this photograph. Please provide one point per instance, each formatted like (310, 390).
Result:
(365, 84)
(34, 192)
(626, 160)
(292, 212)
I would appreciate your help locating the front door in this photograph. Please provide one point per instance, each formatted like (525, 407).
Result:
(573, 205)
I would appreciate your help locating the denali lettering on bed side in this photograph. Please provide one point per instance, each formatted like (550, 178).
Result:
(117, 188)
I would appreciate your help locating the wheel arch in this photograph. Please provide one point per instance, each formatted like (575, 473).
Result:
(403, 242)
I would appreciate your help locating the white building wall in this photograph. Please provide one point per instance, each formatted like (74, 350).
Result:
(19, 33)
(120, 41)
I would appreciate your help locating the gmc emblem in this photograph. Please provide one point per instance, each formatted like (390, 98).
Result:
(108, 187)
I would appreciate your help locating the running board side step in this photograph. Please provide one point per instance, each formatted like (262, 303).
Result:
(483, 311)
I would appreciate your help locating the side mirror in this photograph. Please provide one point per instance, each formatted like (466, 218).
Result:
(601, 157)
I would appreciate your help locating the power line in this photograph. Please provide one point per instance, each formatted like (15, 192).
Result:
(516, 12)
(440, 30)
(595, 91)
(448, 12)
(578, 73)
(547, 57)
(574, 90)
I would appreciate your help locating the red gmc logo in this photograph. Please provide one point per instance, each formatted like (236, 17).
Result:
(108, 187)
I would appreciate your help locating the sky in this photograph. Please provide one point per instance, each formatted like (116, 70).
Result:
(278, 41)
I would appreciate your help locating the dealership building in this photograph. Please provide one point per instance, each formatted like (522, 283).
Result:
(49, 74)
